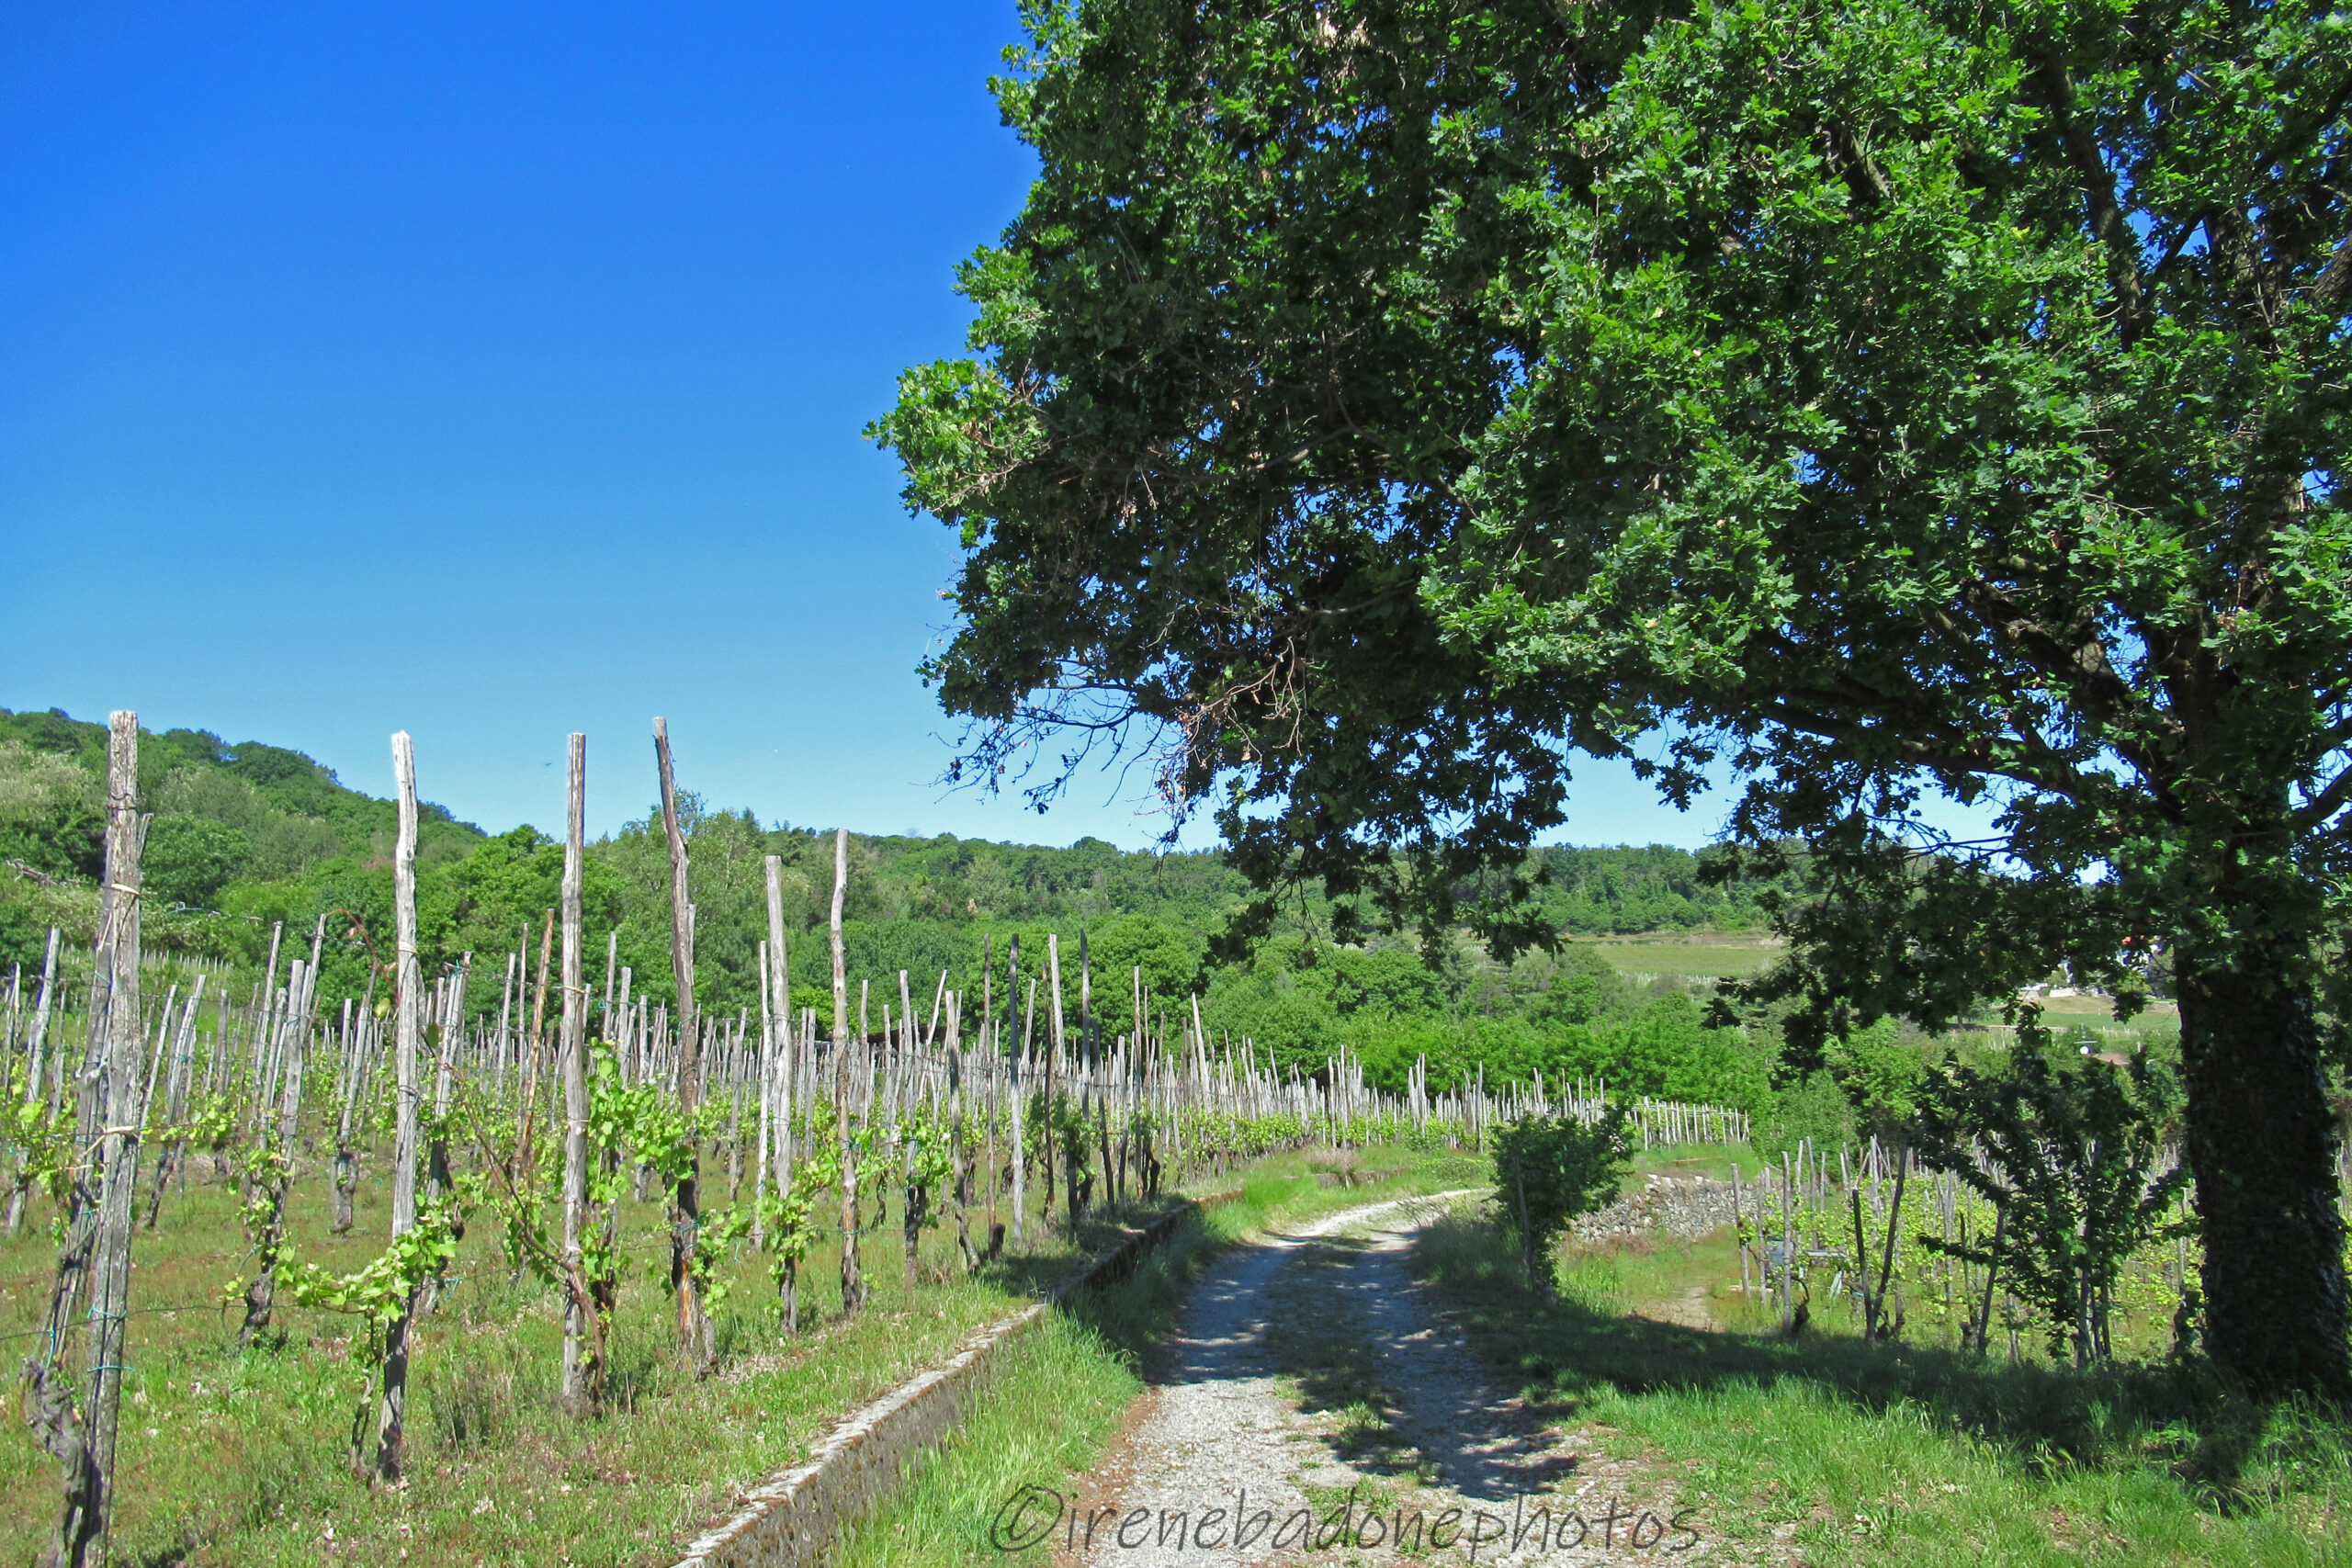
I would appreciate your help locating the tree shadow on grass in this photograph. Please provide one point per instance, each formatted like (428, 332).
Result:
(2185, 1414)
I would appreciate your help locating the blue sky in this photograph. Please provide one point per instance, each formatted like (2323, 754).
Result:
(493, 372)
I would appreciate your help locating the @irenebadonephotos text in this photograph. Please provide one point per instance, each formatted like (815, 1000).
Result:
(1034, 1516)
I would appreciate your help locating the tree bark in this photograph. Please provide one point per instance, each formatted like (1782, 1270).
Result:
(2263, 1147)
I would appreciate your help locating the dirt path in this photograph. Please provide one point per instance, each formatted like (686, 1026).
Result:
(1312, 1407)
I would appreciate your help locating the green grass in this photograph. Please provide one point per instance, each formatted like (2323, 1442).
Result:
(1721, 953)
(1060, 1397)
(1907, 1453)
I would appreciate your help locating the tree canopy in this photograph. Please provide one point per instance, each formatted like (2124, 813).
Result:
(1379, 403)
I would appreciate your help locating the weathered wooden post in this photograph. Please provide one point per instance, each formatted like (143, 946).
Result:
(685, 1208)
(87, 1454)
(175, 1087)
(779, 1002)
(407, 1001)
(278, 1152)
(584, 1339)
(853, 1286)
(33, 1076)
(1053, 1061)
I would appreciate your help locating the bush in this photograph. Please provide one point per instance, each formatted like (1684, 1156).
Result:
(190, 860)
(1548, 1171)
(1813, 1108)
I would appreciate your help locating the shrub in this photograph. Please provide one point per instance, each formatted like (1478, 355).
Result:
(1548, 1171)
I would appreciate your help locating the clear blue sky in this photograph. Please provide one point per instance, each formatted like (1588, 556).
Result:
(497, 371)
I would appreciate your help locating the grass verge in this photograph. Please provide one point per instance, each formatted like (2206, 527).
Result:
(1904, 1454)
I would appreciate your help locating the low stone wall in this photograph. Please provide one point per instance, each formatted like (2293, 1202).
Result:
(788, 1519)
(1684, 1206)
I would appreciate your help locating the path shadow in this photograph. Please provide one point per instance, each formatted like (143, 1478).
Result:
(1408, 1393)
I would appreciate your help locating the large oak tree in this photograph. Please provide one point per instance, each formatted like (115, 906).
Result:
(1379, 403)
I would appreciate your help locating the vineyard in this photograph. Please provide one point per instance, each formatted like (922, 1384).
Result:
(319, 1268)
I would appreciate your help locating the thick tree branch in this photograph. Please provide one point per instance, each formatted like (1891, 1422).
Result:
(2104, 212)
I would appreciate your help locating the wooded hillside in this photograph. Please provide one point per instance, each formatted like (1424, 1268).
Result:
(250, 837)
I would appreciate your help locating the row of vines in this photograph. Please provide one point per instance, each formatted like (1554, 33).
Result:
(538, 1116)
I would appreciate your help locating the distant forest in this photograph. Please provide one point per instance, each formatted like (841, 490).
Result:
(250, 835)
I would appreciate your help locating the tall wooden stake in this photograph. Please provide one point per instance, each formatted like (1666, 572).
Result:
(778, 1004)
(34, 1071)
(85, 1448)
(685, 1210)
(582, 1335)
(408, 986)
(852, 1287)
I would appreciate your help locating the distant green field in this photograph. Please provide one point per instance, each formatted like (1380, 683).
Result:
(1729, 953)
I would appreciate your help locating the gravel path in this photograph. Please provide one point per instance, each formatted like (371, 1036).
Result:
(1414, 1427)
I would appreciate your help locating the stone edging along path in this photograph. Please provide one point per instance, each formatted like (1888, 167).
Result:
(788, 1519)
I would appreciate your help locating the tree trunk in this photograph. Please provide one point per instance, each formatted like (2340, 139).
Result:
(2263, 1147)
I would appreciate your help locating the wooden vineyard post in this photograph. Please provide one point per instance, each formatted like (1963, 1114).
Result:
(1015, 1088)
(1788, 1246)
(762, 1075)
(345, 1162)
(778, 1001)
(1738, 1226)
(685, 1208)
(959, 1149)
(904, 1132)
(438, 1178)
(1862, 1270)
(33, 1076)
(583, 1336)
(991, 1049)
(407, 982)
(1053, 1059)
(852, 1287)
(526, 1140)
(100, 1232)
(175, 1087)
(278, 1160)
(1023, 1065)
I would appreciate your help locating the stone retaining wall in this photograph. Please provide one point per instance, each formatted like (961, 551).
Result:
(1686, 1206)
(788, 1519)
